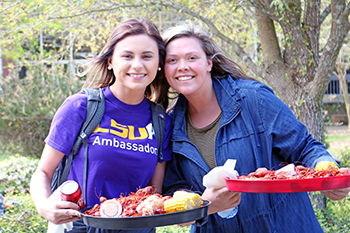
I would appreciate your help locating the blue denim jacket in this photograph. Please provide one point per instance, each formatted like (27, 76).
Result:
(258, 130)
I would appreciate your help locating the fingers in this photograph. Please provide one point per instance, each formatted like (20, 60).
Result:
(232, 195)
(65, 216)
(67, 205)
(221, 199)
(337, 194)
(72, 213)
(236, 199)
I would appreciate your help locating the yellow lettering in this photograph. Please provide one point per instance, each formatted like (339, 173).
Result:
(123, 130)
(98, 129)
(142, 131)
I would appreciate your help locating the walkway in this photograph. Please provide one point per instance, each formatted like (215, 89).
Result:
(336, 129)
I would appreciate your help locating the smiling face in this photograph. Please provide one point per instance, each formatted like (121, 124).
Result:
(135, 63)
(187, 68)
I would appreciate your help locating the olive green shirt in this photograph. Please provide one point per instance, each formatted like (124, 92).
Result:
(204, 139)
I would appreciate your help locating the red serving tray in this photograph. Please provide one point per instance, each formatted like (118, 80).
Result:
(288, 186)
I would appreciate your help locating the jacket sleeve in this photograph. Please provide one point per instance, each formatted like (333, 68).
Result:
(167, 146)
(290, 138)
(173, 179)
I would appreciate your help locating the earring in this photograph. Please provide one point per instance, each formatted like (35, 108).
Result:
(159, 68)
(109, 67)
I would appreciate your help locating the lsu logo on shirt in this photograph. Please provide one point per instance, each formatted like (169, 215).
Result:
(128, 138)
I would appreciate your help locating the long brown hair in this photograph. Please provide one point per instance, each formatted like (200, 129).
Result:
(99, 76)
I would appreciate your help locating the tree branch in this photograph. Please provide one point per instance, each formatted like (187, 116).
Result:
(93, 11)
(267, 35)
(265, 8)
(339, 30)
(324, 15)
(237, 48)
(347, 9)
(312, 32)
(10, 6)
(345, 14)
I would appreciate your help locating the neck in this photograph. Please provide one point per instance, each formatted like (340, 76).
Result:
(128, 96)
(203, 109)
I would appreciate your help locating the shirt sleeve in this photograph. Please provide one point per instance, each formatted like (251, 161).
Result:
(67, 122)
(290, 138)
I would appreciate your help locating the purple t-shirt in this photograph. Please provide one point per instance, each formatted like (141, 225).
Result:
(122, 152)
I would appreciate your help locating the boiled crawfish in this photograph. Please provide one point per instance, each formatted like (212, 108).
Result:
(131, 202)
(300, 172)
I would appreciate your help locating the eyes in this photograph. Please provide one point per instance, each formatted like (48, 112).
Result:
(173, 60)
(145, 56)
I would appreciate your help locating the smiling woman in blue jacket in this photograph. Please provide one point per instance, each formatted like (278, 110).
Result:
(222, 114)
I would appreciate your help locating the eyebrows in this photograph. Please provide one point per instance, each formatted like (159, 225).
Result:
(186, 54)
(128, 51)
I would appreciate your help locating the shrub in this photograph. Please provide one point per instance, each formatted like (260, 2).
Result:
(335, 218)
(21, 217)
(15, 174)
(345, 156)
(28, 105)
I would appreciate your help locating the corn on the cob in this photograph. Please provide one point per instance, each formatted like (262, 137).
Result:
(194, 197)
(181, 201)
(177, 204)
(326, 165)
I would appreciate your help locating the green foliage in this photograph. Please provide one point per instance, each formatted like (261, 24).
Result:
(173, 229)
(345, 157)
(335, 218)
(334, 108)
(21, 216)
(15, 174)
(337, 138)
(28, 105)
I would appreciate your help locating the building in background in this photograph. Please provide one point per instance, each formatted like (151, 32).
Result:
(334, 91)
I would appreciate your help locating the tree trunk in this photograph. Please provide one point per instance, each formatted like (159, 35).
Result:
(308, 110)
(341, 74)
(300, 74)
(319, 200)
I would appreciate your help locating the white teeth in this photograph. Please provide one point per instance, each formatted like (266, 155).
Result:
(137, 75)
(185, 78)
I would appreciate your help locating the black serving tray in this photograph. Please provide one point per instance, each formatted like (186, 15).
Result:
(158, 220)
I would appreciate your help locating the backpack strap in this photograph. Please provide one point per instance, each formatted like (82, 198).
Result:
(158, 119)
(94, 112)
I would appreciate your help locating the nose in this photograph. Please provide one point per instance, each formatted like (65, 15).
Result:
(137, 63)
(183, 66)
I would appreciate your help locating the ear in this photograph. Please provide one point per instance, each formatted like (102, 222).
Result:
(210, 65)
(110, 62)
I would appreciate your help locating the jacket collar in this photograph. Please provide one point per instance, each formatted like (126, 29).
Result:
(228, 96)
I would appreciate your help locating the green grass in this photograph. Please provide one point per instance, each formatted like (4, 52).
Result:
(337, 138)
(341, 137)
(4, 155)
